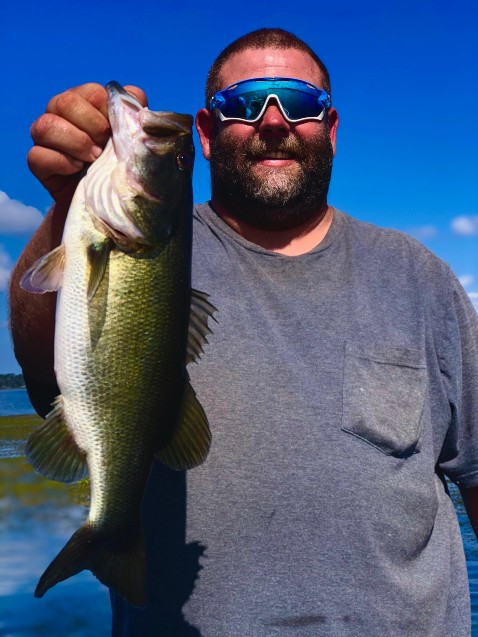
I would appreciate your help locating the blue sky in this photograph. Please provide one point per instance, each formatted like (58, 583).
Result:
(404, 80)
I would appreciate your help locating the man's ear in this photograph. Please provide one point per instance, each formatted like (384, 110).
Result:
(333, 117)
(205, 129)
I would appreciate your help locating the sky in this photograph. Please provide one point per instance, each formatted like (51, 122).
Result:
(404, 81)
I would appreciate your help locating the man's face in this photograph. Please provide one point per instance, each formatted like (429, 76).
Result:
(271, 174)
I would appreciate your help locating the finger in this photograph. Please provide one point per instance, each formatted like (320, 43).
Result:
(56, 133)
(138, 93)
(97, 95)
(45, 162)
(86, 108)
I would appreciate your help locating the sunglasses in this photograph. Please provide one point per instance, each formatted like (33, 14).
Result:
(246, 101)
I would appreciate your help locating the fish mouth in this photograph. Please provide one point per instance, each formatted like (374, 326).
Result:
(115, 90)
(159, 124)
(165, 124)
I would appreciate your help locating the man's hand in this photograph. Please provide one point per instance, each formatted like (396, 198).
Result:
(70, 135)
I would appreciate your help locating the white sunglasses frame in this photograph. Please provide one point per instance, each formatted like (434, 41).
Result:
(223, 118)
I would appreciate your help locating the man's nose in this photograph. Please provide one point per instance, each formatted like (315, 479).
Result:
(273, 122)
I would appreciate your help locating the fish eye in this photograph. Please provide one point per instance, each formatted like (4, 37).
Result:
(184, 161)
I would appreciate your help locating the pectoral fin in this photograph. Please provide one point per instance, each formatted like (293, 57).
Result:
(46, 274)
(132, 242)
(201, 311)
(190, 443)
(98, 254)
(52, 450)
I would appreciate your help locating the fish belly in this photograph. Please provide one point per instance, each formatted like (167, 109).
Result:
(120, 363)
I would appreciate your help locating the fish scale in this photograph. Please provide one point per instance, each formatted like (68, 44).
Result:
(110, 403)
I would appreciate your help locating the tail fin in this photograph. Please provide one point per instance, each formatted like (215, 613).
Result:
(118, 565)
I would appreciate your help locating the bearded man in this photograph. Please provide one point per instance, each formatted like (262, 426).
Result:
(339, 383)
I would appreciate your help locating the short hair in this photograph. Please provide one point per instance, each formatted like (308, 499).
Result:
(260, 39)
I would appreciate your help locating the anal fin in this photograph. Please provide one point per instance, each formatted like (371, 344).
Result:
(52, 450)
(191, 440)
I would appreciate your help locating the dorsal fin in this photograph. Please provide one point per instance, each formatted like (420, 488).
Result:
(201, 311)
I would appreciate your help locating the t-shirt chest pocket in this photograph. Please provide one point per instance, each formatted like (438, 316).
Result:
(384, 396)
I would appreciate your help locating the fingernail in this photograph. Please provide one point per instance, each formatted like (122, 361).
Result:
(77, 163)
(96, 151)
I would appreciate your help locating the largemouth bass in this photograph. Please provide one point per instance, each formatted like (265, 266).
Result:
(127, 325)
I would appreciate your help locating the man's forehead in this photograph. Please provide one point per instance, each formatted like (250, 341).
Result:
(270, 62)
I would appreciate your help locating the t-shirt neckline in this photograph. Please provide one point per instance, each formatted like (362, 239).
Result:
(206, 212)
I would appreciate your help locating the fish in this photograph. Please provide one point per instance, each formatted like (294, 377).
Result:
(128, 323)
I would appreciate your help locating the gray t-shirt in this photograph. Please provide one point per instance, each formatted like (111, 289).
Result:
(340, 386)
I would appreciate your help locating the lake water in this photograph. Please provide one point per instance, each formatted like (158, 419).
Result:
(14, 402)
(38, 516)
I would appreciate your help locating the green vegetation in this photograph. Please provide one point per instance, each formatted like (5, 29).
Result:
(20, 485)
(11, 381)
(18, 427)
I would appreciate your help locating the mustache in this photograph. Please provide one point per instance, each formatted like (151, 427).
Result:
(261, 148)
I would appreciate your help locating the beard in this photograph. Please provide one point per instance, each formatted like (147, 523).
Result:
(267, 197)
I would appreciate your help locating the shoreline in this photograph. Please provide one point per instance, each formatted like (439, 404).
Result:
(17, 427)
(32, 417)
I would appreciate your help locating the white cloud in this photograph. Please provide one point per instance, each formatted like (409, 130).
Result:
(465, 225)
(466, 279)
(423, 232)
(16, 217)
(5, 268)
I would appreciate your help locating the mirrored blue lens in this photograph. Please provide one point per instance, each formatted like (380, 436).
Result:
(245, 100)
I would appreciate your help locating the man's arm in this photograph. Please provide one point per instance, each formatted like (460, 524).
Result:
(32, 317)
(68, 137)
(470, 498)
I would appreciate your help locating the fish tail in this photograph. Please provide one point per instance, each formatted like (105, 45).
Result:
(119, 565)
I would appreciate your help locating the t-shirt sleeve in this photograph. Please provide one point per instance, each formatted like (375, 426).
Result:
(459, 369)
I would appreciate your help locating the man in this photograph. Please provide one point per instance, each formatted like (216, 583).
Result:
(340, 382)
